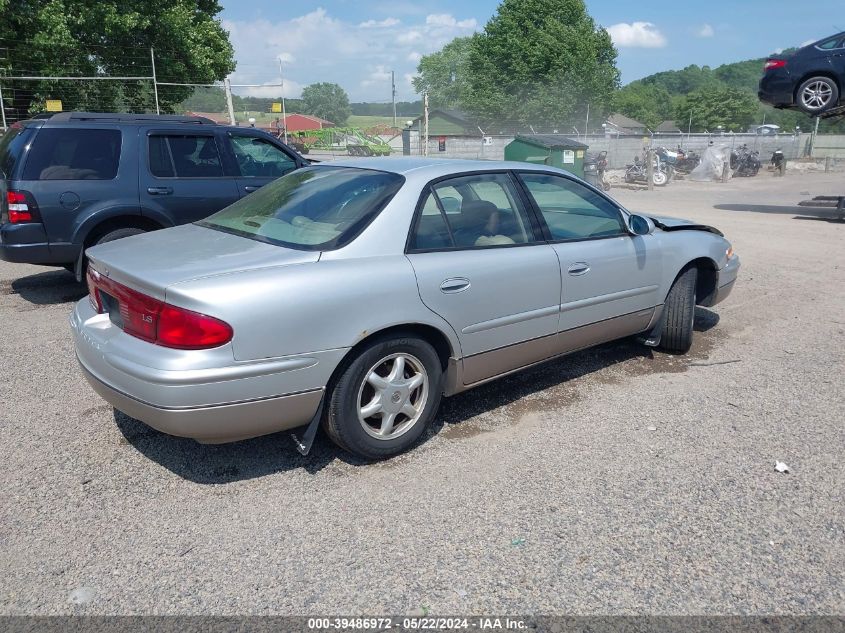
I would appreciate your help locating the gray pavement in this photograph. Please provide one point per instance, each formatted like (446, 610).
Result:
(612, 481)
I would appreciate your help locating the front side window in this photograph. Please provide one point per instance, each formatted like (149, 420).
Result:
(315, 208)
(184, 156)
(571, 210)
(73, 154)
(258, 158)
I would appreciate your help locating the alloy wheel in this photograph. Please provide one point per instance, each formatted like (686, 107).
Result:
(392, 396)
(816, 95)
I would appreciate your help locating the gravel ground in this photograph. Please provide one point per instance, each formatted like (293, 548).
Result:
(614, 481)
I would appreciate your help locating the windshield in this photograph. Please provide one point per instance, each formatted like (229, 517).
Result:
(315, 208)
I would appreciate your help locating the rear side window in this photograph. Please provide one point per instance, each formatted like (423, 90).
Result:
(184, 156)
(830, 45)
(12, 145)
(73, 154)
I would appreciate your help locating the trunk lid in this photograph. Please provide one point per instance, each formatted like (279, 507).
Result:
(151, 262)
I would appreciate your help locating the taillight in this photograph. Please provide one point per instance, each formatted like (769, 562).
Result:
(22, 207)
(155, 321)
(774, 63)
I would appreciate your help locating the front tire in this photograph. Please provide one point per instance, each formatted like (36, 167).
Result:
(817, 94)
(679, 314)
(659, 178)
(385, 397)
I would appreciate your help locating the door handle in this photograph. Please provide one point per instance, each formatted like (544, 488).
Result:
(251, 188)
(159, 191)
(578, 268)
(454, 285)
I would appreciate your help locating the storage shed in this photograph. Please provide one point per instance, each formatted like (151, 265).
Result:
(555, 150)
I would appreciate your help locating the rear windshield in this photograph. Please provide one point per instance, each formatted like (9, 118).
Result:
(12, 145)
(315, 208)
(73, 154)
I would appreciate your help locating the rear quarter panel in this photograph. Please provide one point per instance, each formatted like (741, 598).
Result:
(307, 308)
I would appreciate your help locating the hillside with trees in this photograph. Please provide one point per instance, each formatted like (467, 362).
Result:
(725, 95)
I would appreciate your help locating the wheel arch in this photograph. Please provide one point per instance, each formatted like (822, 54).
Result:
(706, 283)
(432, 335)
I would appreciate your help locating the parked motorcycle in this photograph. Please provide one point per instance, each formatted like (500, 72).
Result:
(639, 172)
(745, 163)
(686, 161)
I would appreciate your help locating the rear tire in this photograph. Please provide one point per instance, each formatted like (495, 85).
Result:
(679, 314)
(375, 409)
(817, 94)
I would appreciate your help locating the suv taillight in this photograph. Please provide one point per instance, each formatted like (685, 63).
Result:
(22, 207)
(774, 63)
(152, 320)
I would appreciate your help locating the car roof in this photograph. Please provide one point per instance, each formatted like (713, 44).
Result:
(420, 166)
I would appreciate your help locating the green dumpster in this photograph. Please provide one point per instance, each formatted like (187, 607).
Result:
(555, 150)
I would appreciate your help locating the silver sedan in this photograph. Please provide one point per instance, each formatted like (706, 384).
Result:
(356, 294)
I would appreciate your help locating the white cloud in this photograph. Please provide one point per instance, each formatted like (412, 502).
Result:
(705, 31)
(408, 37)
(291, 89)
(317, 47)
(369, 24)
(379, 75)
(636, 35)
(447, 19)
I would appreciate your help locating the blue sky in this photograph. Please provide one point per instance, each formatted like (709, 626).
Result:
(356, 43)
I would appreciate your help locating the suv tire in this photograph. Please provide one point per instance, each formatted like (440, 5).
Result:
(117, 234)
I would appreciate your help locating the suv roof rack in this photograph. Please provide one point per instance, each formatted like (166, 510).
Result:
(127, 118)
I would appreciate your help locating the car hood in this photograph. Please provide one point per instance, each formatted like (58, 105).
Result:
(151, 262)
(679, 224)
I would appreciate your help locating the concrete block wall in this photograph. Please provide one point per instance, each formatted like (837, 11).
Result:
(621, 150)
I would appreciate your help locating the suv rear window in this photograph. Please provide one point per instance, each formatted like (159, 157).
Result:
(73, 154)
(315, 208)
(12, 144)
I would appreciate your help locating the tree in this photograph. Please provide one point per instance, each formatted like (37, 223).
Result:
(444, 74)
(711, 107)
(649, 104)
(327, 101)
(540, 62)
(112, 37)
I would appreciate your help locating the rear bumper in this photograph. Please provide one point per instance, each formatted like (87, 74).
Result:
(217, 424)
(776, 90)
(27, 244)
(204, 394)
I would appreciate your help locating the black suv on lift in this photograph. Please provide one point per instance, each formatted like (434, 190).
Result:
(76, 179)
(812, 79)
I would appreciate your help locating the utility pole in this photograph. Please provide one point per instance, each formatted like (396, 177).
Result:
(813, 138)
(425, 118)
(649, 170)
(587, 124)
(393, 94)
(284, 113)
(2, 107)
(155, 82)
(228, 87)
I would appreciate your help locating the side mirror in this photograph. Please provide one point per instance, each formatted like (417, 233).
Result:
(639, 225)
